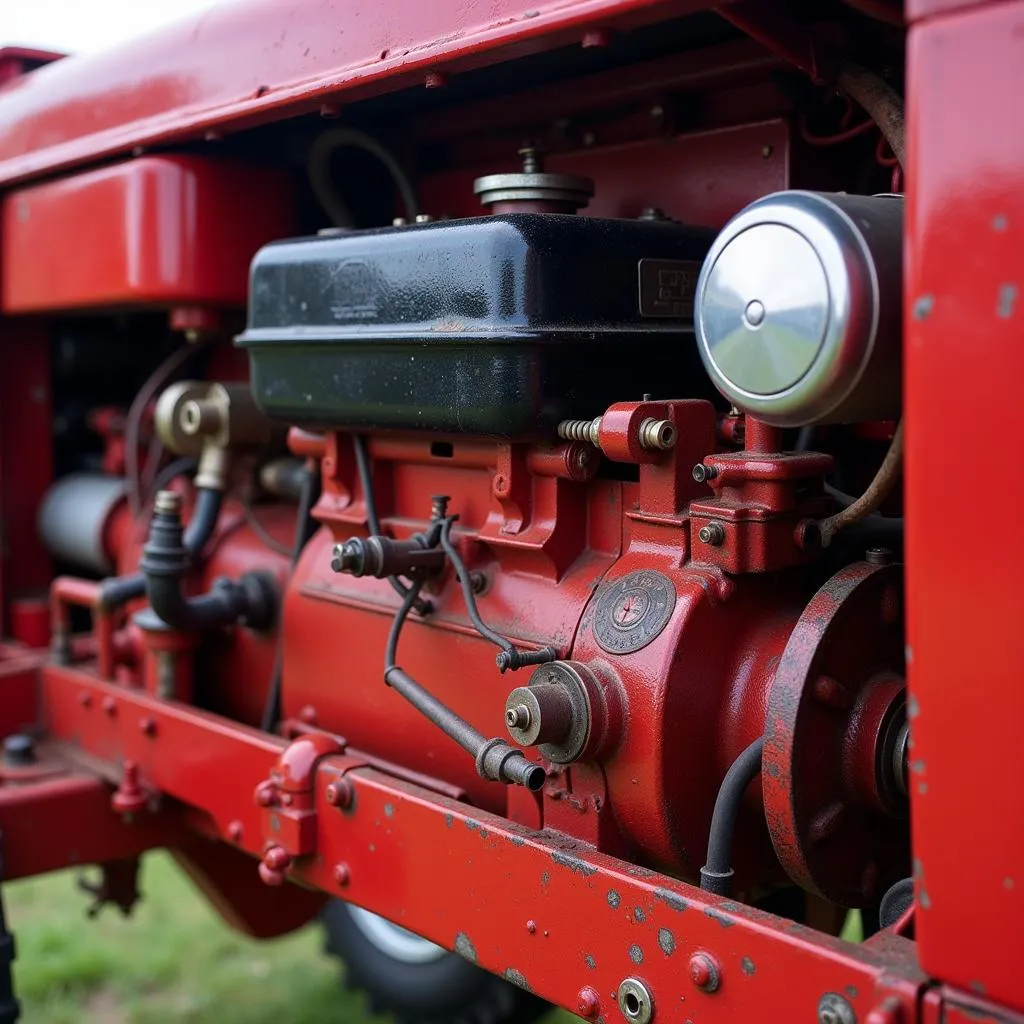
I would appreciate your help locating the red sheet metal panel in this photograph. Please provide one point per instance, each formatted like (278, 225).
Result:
(157, 230)
(234, 65)
(965, 315)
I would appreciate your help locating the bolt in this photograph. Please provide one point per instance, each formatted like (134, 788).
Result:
(266, 794)
(477, 581)
(342, 875)
(439, 506)
(234, 831)
(167, 503)
(307, 714)
(399, 222)
(703, 473)
(109, 706)
(878, 556)
(435, 80)
(340, 794)
(147, 726)
(655, 213)
(834, 1009)
(704, 972)
(518, 717)
(532, 161)
(531, 927)
(275, 863)
(713, 534)
(588, 1004)
(424, 218)
(596, 37)
(657, 434)
(766, 151)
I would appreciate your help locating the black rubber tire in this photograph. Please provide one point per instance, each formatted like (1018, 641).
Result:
(449, 990)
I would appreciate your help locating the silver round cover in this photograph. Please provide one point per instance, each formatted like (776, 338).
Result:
(798, 308)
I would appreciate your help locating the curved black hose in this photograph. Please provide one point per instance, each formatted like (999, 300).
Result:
(511, 657)
(495, 759)
(118, 590)
(305, 527)
(372, 519)
(323, 149)
(716, 875)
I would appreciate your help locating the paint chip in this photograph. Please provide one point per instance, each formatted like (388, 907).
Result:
(747, 966)
(636, 954)
(923, 306)
(1007, 300)
(667, 941)
(465, 948)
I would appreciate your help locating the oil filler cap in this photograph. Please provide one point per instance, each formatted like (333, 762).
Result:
(798, 308)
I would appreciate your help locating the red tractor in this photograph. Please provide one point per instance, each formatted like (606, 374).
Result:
(480, 474)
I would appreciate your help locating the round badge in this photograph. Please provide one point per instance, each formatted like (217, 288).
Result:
(632, 611)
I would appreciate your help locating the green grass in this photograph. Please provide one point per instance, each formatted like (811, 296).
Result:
(174, 960)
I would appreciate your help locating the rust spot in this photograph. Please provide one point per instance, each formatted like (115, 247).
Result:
(574, 864)
(590, 962)
(517, 978)
(449, 820)
(638, 915)
(671, 899)
(667, 941)
(720, 918)
(517, 840)
(747, 966)
(389, 810)
(636, 954)
(545, 879)
(465, 948)
(1007, 300)
(613, 899)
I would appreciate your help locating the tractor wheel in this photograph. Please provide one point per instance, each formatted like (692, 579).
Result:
(416, 981)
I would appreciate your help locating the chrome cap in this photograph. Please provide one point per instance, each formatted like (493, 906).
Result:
(787, 304)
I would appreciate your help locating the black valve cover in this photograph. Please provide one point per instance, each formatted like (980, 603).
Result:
(496, 326)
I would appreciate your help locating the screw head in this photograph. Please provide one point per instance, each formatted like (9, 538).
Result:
(588, 1003)
(704, 972)
(147, 726)
(518, 717)
(266, 794)
(109, 706)
(234, 831)
(342, 875)
(702, 473)
(340, 794)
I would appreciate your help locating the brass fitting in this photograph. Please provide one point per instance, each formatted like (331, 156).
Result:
(209, 420)
(654, 434)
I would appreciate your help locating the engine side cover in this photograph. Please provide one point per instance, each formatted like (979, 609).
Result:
(497, 326)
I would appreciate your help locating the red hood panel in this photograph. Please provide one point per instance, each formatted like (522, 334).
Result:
(233, 66)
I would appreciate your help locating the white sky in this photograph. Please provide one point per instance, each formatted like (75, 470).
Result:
(77, 26)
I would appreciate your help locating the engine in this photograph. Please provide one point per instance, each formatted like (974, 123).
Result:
(548, 504)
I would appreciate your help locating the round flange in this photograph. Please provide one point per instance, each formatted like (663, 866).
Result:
(837, 820)
(632, 610)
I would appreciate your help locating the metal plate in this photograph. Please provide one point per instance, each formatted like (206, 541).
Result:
(632, 611)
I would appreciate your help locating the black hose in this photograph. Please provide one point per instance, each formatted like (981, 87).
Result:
(495, 759)
(372, 519)
(251, 599)
(716, 875)
(305, 527)
(119, 590)
(511, 657)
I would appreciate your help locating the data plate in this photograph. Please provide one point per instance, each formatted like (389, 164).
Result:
(632, 611)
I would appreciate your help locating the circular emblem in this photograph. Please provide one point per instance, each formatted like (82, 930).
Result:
(632, 611)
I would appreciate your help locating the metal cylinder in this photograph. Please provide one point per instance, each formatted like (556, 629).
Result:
(799, 308)
(74, 517)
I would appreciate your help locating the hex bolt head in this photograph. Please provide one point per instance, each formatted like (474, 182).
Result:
(713, 534)
(340, 794)
(704, 972)
(702, 473)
